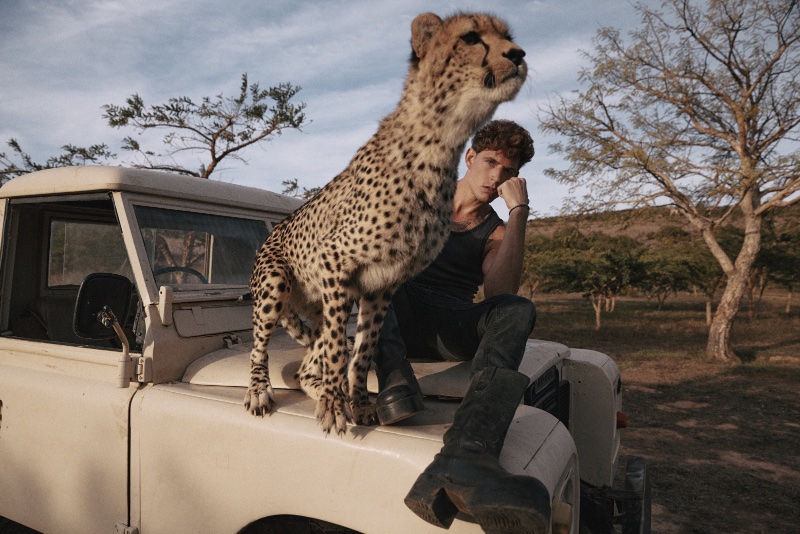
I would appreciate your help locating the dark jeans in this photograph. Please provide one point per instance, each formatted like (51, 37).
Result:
(423, 322)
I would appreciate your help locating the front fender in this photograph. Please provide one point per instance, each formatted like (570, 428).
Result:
(203, 462)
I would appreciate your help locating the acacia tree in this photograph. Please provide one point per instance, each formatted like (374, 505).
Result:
(538, 248)
(19, 162)
(781, 259)
(700, 110)
(293, 188)
(666, 265)
(598, 266)
(219, 127)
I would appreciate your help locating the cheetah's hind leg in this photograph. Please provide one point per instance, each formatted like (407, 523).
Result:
(297, 328)
(269, 301)
(310, 372)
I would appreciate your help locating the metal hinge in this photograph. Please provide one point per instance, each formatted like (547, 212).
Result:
(137, 369)
(122, 528)
(231, 340)
(143, 369)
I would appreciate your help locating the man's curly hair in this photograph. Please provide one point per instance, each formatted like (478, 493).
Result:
(505, 136)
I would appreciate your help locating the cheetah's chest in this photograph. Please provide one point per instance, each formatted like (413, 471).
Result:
(420, 238)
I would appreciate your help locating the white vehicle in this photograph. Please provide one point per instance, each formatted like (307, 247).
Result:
(145, 432)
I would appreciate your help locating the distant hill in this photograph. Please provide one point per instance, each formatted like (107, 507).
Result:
(642, 222)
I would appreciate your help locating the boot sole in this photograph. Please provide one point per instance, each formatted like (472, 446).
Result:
(429, 499)
(510, 521)
(399, 409)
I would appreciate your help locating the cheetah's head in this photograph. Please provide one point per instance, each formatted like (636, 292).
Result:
(468, 61)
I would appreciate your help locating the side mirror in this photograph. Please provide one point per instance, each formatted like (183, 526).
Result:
(98, 292)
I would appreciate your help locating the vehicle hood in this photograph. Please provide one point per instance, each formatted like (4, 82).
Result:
(231, 367)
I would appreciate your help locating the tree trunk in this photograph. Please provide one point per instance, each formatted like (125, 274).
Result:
(597, 304)
(751, 302)
(532, 287)
(719, 345)
(719, 334)
(708, 311)
(789, 295)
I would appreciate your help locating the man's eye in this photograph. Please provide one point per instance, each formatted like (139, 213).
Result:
(471, 38)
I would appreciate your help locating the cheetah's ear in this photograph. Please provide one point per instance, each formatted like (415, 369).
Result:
(422, 29)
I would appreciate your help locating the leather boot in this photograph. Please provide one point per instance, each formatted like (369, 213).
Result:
(399, 395)
(466, 475)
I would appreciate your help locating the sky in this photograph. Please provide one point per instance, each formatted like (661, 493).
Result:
(62, 60)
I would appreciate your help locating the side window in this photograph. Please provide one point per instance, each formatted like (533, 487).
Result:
(78, 248)
(55, 245)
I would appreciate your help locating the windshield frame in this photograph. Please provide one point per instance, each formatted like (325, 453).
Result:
(135, 243)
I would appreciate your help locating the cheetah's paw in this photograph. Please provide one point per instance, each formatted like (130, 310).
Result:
(258, 400)
(365, 414)
(333, 409)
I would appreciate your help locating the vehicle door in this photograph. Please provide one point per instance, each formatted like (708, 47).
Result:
(64, 422)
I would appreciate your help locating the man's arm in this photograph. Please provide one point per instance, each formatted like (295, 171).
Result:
(505, 250)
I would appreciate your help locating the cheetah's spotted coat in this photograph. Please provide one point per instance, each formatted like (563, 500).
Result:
(380, 221)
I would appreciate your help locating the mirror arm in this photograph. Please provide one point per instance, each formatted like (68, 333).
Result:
(125, 367)
(165, 305)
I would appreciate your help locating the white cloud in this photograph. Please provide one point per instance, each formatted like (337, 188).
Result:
(63, 59)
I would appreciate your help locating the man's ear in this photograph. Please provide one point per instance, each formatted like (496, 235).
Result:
(469, 157)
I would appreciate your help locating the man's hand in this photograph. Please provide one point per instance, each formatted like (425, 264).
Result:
(514, 191)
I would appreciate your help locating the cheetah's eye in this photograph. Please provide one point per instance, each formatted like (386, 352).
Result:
(471, 38)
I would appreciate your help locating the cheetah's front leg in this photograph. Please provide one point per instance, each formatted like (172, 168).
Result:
(333, 407)
(269, 297)
(371, 312)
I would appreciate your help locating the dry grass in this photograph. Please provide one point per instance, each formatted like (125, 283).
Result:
(721, 441)
(638, 331)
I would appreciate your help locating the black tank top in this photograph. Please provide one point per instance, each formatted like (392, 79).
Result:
(458, 270)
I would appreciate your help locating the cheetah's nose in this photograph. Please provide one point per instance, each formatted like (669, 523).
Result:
(515, 55)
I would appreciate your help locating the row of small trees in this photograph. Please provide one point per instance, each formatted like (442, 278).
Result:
(601, 266)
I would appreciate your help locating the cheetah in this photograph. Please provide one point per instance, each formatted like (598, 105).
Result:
(382, 220)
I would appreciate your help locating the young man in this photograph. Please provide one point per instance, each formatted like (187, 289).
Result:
(433, 316)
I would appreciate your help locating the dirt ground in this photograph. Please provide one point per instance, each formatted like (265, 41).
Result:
(722, 444)
(722, 441)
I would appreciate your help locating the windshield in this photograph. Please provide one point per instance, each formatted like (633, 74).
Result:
(189, 248)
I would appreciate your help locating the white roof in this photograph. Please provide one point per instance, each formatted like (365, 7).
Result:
(73, 180)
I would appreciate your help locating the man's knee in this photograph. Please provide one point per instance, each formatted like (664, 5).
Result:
(518, 310)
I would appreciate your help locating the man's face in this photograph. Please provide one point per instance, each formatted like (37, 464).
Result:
(486, 170)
